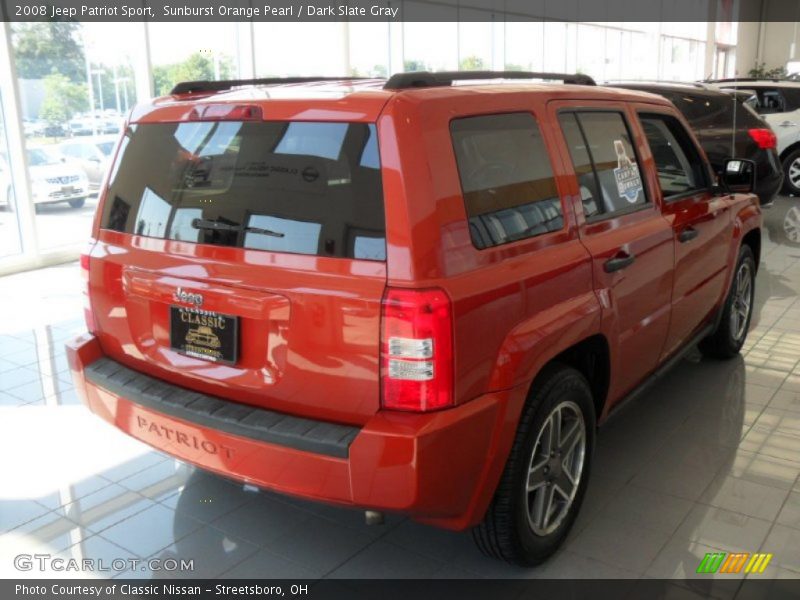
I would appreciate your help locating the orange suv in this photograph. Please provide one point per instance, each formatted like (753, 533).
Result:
(419, 294)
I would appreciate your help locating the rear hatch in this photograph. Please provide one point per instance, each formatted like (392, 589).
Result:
(246, 259)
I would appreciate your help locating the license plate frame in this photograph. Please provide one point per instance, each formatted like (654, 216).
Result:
(205, 335)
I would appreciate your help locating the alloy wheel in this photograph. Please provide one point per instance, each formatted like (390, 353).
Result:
(555, 468)
(742, 300)
(794, 173)
(791, 224)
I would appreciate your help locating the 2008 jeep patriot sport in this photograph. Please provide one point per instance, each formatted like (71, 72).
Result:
(416, 295)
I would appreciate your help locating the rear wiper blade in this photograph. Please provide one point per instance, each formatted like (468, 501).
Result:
(216, 225)
(263, 231)
(221, 226)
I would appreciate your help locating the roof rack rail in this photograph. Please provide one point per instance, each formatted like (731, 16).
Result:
(421, 79)
(194, 87)
(746, 79)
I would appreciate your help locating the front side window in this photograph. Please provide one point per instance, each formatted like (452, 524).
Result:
(604, 161)
(506, 178)
(679, 165)
(297, 187)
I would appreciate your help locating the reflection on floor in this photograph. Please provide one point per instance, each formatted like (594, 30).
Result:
(708, 461)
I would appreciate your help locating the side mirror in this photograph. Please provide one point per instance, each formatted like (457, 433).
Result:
(738, 175)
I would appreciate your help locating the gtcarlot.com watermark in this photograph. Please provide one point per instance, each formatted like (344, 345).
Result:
(48, 562)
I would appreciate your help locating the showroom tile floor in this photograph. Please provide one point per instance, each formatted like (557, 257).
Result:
(708, 460)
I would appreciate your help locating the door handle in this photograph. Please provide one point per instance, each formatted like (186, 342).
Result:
(619, 262)
(687, 235)
(788, 124)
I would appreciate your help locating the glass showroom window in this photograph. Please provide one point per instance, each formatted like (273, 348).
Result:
(475, 42)
(285, 49)
(431, 46)
(682, 59)
(76, 82)
(524, 46)
(369, 49)
(192, 51)
(10, 244)
(592, 51)
(560, 47)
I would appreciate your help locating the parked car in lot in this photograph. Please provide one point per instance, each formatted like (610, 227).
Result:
(54, 179)
(778, 102)
(726, 127)
(422, 301)
(78, 127)
(92, 154)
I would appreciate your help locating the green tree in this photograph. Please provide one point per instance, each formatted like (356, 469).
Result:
(195, 68)
(760, 71)
(62, 99)
(471, 63)
(414, 65)
(378, 71)
(41, 49)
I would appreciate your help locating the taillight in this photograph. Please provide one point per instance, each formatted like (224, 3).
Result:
(417, 350)
(764, 138)
(88, 313)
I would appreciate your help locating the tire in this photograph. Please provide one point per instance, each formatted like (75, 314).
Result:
(728, 338)
(791, 170)
(512, 529)
(77, 202)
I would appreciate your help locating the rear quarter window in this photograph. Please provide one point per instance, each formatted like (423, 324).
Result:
(705, 110)
(506, 178)
(297, 187)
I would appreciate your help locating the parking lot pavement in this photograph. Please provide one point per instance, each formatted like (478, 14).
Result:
(57, 226)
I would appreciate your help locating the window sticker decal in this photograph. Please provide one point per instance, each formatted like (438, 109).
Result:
(629, 181)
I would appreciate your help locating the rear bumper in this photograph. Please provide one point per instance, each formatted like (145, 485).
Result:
(769, 177)
(438, 467)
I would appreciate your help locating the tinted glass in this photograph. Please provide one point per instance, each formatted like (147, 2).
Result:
(582, 163)
(770, 101)
(307, 188)
(704, 109)
(791, 97)
(680, 167)
(605, 140)
(506, 178)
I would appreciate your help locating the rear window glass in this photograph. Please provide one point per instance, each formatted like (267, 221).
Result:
(298, 187)
(703, 109)
(506, 178)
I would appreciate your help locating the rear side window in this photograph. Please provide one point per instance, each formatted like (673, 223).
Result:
(704, 109)
(680, 167)
(506, 178)
(605, 162)
(770, 101)
(791, 96)
(297, 187)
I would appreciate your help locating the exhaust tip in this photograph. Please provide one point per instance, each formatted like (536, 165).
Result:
(373, 517)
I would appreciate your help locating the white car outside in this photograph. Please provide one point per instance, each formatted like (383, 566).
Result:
(93, 154)
(56, 179)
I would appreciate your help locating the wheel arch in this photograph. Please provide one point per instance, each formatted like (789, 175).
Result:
(788, 150)
(753, 239)
(592, 358)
